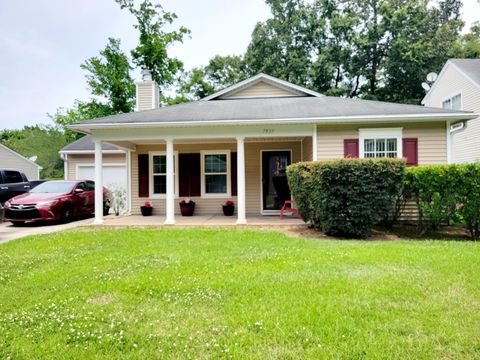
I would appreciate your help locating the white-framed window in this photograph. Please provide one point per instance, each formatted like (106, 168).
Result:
(380, 143)
(158, 174)
(453, 103)
(215, 167)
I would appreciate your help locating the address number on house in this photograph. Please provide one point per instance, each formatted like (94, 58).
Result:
(268, 131)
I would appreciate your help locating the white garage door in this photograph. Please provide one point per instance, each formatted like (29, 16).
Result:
(114, 176)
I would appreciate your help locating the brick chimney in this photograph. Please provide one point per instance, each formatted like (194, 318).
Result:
(148, 93)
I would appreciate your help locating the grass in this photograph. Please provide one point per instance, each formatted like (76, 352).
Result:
(236, 294)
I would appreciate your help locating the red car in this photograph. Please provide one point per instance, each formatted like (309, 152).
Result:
(55, 201)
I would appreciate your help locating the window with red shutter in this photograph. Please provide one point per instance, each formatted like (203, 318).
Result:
(410, 151)
(143, 184)
(189, 175)
(350, 148)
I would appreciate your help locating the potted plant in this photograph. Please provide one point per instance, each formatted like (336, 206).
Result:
(187, 207)
(147, 209)
(228, 208)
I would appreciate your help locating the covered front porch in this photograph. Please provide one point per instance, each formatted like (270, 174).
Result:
(248, 170)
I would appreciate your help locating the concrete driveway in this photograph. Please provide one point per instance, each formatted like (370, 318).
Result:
(9, 232)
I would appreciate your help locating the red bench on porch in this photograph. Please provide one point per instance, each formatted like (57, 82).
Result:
(288, 207)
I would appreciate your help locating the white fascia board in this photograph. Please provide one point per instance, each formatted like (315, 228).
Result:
(83, 152)
(316, 120)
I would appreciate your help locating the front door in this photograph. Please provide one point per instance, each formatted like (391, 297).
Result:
(275, 190)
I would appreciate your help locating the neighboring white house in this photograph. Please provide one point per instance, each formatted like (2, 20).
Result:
(10, 159)
(458, 88)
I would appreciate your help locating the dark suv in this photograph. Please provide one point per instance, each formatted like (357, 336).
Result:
(13, 183)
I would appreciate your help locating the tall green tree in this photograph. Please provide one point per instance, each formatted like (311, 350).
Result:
(468, 45)
(152, 50)
(219, 73)
(281, 46)
(111, 86)
(108, 76)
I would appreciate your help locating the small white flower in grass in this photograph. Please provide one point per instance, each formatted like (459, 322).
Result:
(135, 346)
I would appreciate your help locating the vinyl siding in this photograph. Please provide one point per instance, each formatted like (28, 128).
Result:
(74, 160)
(432, 140)
(261, 89)
(9, 160)
(465, 143)
(146, 100)
(213, 206)
(307, 149)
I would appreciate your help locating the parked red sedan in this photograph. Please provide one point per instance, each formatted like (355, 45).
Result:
(55, 201)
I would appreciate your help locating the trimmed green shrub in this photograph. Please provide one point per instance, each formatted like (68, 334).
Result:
(446, 194)
(433, 190)
(468, 192)
(346, 197)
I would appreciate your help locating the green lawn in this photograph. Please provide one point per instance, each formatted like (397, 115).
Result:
(236, 294)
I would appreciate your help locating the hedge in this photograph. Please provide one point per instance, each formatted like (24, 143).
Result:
(346, 197)
(446, 194)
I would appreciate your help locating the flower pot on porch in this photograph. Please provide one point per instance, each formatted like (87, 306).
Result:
(228, 210)
(146, 210)
(187, 208)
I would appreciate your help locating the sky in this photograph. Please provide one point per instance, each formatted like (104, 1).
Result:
(43, 43)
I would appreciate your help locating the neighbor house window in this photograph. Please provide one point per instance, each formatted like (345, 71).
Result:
(453, 103)
(158, 174)
(381, 143)
(215, 173)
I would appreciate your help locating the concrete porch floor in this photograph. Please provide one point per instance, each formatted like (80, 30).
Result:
(201, 220)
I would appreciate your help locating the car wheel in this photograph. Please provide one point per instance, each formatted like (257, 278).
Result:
(66, 214)
(106, 208)
(18, 223)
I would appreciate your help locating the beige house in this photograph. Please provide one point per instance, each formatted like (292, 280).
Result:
(457, 87)
(236, 143)
(10, 159)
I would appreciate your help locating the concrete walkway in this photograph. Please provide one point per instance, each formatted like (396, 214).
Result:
(9, 232)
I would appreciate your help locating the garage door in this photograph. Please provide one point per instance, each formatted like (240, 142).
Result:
(114, 176)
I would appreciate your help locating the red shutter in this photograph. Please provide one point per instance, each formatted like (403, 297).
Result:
(189, 175)
(143, 175)
(410, 151)
(350, 148)
(233, 172)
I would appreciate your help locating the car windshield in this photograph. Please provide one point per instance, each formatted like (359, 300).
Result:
(57, 187)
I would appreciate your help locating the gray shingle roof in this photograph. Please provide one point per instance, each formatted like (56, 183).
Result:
(86, 144)
(268, 108)
(471, 68)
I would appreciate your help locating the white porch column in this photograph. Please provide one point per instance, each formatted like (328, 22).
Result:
(314, 143)
(241, 212)
(129, 182)
(98, 183)
(170, 205)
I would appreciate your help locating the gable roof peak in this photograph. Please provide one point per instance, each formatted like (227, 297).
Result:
(296, 90)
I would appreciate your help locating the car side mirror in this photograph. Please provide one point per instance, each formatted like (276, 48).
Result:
(78, 191)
